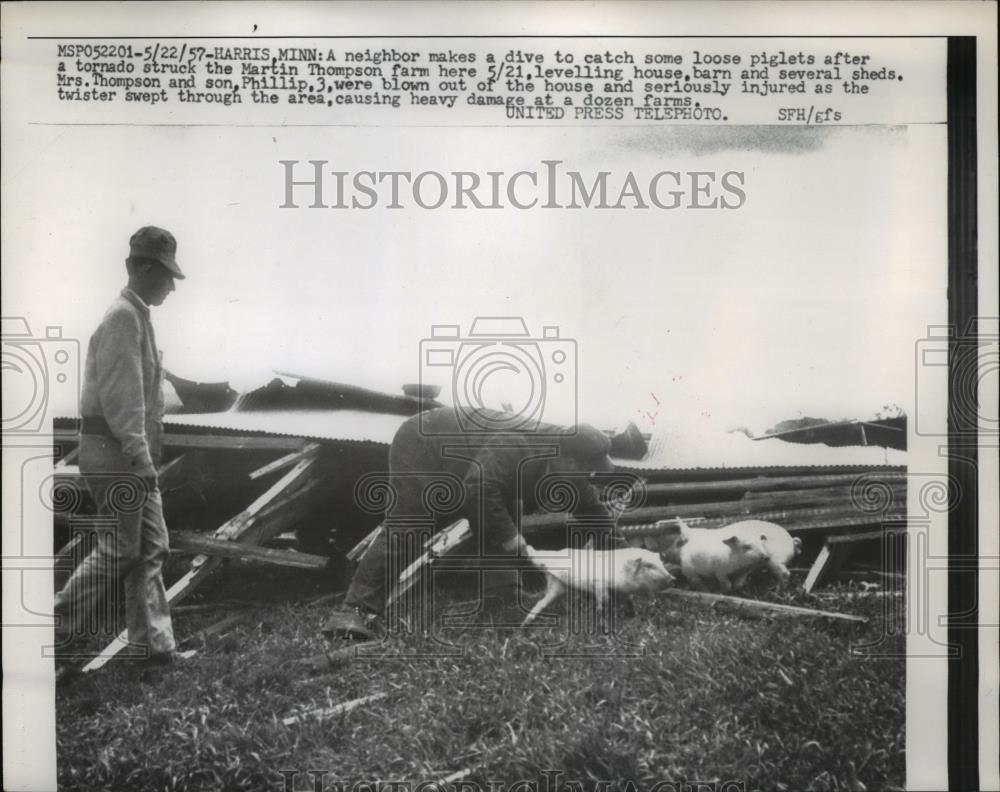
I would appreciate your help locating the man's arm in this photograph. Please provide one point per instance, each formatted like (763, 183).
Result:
(590, 511)
(120, 387)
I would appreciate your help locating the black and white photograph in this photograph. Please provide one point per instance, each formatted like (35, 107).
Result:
(500, 396)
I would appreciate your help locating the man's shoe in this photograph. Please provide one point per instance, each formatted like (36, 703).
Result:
(354, 624)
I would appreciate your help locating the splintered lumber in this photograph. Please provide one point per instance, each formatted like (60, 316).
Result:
(440, 544)
(358, 551)
(328, 661)
(285, 461)
(329, 712)
(235, 527)
(758, 606)
(825, 564)
(202, 566)
(172, 470)
(195, 543)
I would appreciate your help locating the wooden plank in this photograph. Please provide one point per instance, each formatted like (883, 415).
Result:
(819, 568)
(835, 552)
(328, 661)
(762, 483)
(358, 551)
(843, 494)
(441, 543)
(866, 536)
(217, 628)
(174, 471)
(330, 712)
(234, 442)
(760, 607)
(285, 461)
(214, 605)
(186, 542)
(236, 526)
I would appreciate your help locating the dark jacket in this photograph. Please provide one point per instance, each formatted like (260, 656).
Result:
(442, 473)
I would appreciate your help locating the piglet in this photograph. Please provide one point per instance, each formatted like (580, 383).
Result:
(710, 555)
(598, 572)
(776, 541)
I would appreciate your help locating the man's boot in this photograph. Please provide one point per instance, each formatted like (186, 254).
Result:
(354, 624)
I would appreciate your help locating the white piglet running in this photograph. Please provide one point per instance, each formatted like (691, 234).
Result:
(779, 545)
(599, 572)
(710, 555)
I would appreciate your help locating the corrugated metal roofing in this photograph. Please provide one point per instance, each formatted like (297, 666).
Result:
(719, 450)
(334, 425)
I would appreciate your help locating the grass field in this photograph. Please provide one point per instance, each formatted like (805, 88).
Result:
(767, 703)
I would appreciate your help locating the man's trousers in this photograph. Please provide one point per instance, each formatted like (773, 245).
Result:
(134, 550)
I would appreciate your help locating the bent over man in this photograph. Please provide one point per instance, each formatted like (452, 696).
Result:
(501, 476)
(121, 408)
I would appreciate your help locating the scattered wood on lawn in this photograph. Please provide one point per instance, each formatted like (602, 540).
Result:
(329, 712)
(760, 607)
(328, 661)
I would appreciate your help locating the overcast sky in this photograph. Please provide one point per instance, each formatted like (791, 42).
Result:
(807, 300)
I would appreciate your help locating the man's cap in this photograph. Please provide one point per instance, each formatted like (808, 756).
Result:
(154, 243)
(590, 446)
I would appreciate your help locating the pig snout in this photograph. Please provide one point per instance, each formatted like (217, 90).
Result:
(647, 572)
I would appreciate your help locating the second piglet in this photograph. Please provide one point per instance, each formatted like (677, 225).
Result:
(778, 544)
(709, 555)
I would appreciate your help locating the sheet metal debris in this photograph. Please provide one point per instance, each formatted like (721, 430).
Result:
(676, 449)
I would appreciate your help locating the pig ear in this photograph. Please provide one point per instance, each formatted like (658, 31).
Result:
(732, 541)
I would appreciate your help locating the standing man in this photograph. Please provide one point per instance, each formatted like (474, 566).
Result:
(496, 479)
(121, 410)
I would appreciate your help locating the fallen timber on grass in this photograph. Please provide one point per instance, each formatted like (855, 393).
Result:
(761, 607)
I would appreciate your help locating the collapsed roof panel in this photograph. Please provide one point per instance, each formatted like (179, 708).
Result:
(356, 426)
(311, 394)
(885, 432)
